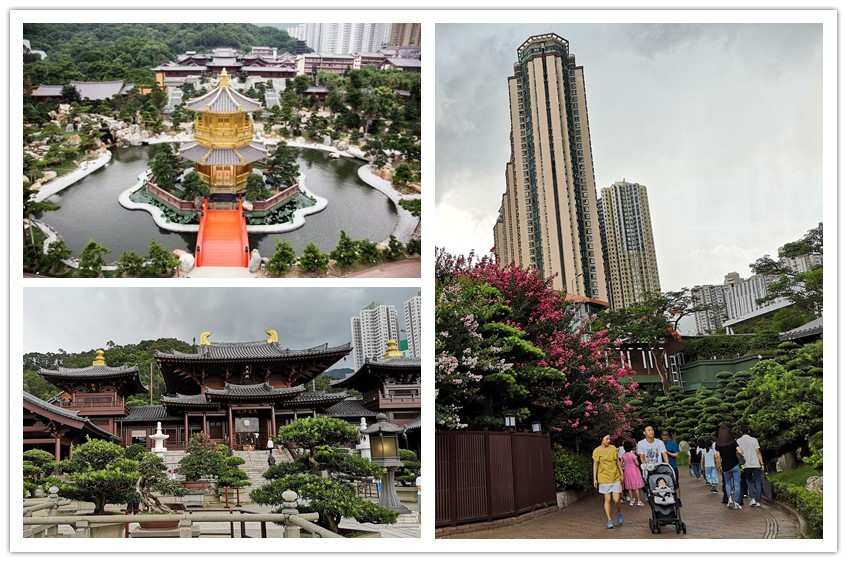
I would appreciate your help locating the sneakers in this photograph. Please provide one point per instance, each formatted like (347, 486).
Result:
(640, 504)
(730, 504)
(620, 518)
(754, 503)
(632, 502)
(610, 525)
(737, 506)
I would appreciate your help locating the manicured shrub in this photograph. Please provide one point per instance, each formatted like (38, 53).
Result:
(572, 470)
(808, 504)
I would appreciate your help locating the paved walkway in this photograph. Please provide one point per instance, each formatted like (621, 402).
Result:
(395, 269)
(703, 513)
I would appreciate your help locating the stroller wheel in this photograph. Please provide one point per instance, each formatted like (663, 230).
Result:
(652, 526)
(678, 529)
(684, 529)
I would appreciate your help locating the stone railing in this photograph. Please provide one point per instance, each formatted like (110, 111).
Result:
(269, 203)
(47, 525)
(168, 198)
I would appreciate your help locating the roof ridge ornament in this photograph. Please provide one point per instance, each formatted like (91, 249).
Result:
(391, 350)
(99, 359)
(204, 338)
(274, 338)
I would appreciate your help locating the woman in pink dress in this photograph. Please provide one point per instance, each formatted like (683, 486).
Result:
(632, 474)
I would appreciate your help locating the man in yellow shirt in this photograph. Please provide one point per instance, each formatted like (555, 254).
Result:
(608, 475)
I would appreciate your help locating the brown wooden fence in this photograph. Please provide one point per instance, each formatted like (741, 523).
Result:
(485, 475)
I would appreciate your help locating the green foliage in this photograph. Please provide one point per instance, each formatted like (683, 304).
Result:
(572, 470)
(346, 252)
(403, 174)
(135, 451)
(313, 259)
(256, 190)
(159, 262)
(411, 468)
(282, 169)
(92, 260)
(57, 252)
(804, 289)
(333, 497)
(165, 166)
(808, 504)
(395, 250)
(153, 478)
(204, 459)
(193, 186)
(413, 247)
(230, 475)
(131, 264)
(38, 465)
(99, 473)
(282, 259)
(412, 205)
(368, 252)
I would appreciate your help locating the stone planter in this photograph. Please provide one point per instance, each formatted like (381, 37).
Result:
(158, 525)
(107, 531)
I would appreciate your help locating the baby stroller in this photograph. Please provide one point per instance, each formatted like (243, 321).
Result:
(661, 499)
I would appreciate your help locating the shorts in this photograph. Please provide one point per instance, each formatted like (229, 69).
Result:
(419, 502)
(610, 487)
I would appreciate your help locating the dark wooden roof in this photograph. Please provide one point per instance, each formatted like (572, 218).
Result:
(350, 408)
(252, 351)
(62, 416)
(316, 399)
(261, 391)
(241, 155)
(149, 414)
(372, 373)
(63, 377)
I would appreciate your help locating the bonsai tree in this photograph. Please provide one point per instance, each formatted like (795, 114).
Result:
(92, 260)
(324, 477)
(203, 459)
(230, 475)
(313, 259)
(130, 264)
(99, 473)
(256, 189)
(411, 468)
(193, 186)
(152, 478)
(165, 166)
(160, 262)
(37, 468)
(346, 253)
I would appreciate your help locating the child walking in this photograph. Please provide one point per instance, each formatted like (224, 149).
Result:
(632, 474)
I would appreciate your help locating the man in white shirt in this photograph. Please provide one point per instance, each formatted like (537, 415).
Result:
(418, 486)
(651, 450)
(753, 465)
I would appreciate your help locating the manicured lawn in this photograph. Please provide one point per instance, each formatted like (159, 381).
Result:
(796, 476)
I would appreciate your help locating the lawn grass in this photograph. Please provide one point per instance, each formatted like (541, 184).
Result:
(796, 476)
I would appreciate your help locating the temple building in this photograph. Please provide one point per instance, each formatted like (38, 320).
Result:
(223, 151)
(237, 393)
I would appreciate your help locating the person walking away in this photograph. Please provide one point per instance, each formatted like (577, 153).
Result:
(707, 463)
(754, 466)
(271, 459)
(651, 450)
(632, 474)
(685, 454)
(418, 486)
(673, 454)
(726, 460)
(695, 454)
(607, 478)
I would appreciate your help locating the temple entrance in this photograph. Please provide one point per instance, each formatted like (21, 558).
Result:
(252, 429)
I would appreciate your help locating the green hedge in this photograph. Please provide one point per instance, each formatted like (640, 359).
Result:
(572, 470)
(808, 504)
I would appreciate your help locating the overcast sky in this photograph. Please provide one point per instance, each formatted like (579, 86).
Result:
(81, 319)
(721, 122)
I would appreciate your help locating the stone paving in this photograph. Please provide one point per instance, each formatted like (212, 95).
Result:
(703, 513)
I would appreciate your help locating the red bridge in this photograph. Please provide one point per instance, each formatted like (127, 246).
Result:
(222, 239)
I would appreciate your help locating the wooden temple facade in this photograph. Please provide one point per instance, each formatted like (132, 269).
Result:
(237, 393)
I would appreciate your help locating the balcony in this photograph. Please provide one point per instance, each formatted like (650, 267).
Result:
(399, 396)
(220, 137)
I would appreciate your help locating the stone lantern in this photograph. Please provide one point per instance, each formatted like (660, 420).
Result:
(385, 452)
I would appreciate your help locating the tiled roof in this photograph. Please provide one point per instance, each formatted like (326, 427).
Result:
(252, 391)
(308, 398)
(223, 100)
(316, 90)
(349, 409)
(187, 400)
(241, 155)
(368, 373)
(149, 413)
(180, 68)
(252, 350)
(71, 415)
(405, 63)
(414, 424)
(48, 91)
(91, 371)
(810, 329)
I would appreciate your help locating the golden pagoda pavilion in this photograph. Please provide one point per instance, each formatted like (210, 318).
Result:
(223, 151)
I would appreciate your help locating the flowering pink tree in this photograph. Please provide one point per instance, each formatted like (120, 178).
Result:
(573, 382)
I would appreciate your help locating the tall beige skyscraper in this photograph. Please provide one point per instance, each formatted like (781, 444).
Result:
(628, 243)
(548, 216)
(403, 34)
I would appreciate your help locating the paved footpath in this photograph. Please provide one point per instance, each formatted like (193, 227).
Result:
(703, 513)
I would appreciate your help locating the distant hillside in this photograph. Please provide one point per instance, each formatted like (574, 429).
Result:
(339, 373)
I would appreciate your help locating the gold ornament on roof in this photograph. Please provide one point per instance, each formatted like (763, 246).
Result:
(391, 350)
(99, 359)
(274, 338)
(204, 338)
(224, 79)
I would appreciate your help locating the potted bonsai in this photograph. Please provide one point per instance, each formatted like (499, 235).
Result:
(202, 463)
(230, 476)
(100, 473)
(152, 479)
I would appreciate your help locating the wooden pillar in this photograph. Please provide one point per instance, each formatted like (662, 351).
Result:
(205, 428)
(57, 448)
(231, 427)
(273, 422)
(187, 434)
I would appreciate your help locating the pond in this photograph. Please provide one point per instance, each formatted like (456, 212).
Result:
(90, 208)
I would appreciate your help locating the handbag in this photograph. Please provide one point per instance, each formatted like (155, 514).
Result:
(741, 460)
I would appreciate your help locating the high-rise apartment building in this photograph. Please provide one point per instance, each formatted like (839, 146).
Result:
(412, 310)
(342, 38)
(548, 217)
(370, 331)
(628, 249)
(710, 298)
(403, 34)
